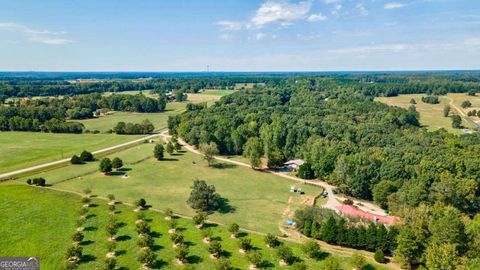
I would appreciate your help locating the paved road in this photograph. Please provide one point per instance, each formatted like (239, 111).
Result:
(45, 165)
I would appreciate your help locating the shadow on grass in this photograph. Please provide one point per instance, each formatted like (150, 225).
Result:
(266, 264)
(87, 242)
(224, 206)
(121, 224)
(155, 234)
(116, 173)
(120, 252)
(124, 169)
(88, 258)
(123, 238)
(225, 254)
(91, 228)
(194, 259)
(157, 247)
(91, 216)
(224, 166)
(93, 205)
(159, 264)
(189, 243)
(368, 267)
(169, 159)
(210, 225)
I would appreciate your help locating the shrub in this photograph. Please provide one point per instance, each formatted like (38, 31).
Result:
(141, 203)
(358, 261)
(86, 156)
(169, 212)
(74, 250)
(348, 202)
(177, 238)
(111, 197)
(207, 234)
(312, 249)
(110, 263)
(105, 166)
(147, 257)
(181, 253)
(286, 254)
(223, 264)
(112, 229)
(145, 241)
(200, 218)
(379, 256)
(299, 266)
(215, 248)
(331, 263)
(255, 258)
(87, 191)
(117, 163)
(77, 237)
(271, 240)
(29, 181)
(233, 229)
(245, 244)
(76, 160)
(143, 228)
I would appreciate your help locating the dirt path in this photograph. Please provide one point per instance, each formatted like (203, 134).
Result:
(292, 236)
(45, 165)
(333, 200)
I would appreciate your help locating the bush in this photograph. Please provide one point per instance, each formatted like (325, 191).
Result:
(331, 263)
(143, 228)
(200, 218)
(233, 229)
(255, 258)
(141, 203)
(271, 240)
(29, 181)
(181, 253)
(379, 256)
(76, 160)
(177, 238)
(77, 237)
(299, 266)
(215, 248)
(147, 257)
(358, 261)
(305, 171)
(145, 241)
(117, 163)
(223, 264)
(169, 212)
(286, 254)
(466, 104)
(105, 166)
(40, 181)
(348, 202)
(207, 234)
(245, 244)
(111, 197)
(86, 156)
(312, 249)
(110, 263)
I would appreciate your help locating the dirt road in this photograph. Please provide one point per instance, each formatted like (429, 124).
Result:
(45, 165)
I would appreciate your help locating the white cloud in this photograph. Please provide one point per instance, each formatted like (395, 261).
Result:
(230, 25)
(361, 8)
(336, 10)
(259, 36)
(331, 1)
(390, 48)
(316, 17)
(280, 11)
(393, 5)
(40, 36)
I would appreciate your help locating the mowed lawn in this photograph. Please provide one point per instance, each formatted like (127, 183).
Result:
(431, 115)
(24, 149)
(159, 120)
(36, 222)
(44, 228)
(259, 199)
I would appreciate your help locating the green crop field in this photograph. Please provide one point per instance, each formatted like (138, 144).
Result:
(24, 149)
(37, 216)
(159, 120)
(431, 115)
(259, 199)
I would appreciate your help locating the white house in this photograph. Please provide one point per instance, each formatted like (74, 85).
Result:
(294, 164)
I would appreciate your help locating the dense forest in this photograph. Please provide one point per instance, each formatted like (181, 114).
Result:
(367, 149)
(50, 114)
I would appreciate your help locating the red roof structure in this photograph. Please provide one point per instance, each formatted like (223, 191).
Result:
(352, 211)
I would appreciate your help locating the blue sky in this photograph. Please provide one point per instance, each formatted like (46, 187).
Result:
(242, 35)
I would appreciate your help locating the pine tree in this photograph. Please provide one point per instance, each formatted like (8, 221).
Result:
(341, 232)
(315, 230)
(382, 238)
(307, 228)
(352, 237)
(362, 237)
(328, 231)
(371, 237)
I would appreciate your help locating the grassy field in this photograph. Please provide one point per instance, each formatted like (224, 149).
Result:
(45, 228)
(159, 120)
(431, 115)
(23, 149)
(260, 199)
